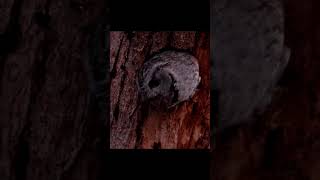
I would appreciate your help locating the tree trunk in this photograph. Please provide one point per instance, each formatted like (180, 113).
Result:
(50, 125)
(134, 125)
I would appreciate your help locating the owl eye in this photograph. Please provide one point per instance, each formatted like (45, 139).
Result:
(153, 83)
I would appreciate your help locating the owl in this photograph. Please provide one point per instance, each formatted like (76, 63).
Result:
(169, 78)
(248, 56)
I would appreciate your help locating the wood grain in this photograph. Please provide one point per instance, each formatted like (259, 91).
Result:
(48, 128)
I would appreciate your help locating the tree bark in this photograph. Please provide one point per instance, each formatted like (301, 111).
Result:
(50, 125)
(134, 125)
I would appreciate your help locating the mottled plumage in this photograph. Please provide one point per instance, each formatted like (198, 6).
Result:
(170, 77)
(248, 54)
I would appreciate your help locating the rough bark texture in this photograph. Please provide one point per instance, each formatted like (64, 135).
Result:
(137, 125)
(283, 143)
(49, 128)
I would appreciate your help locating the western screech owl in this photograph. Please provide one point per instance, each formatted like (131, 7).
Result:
(169, 78)
(248, 55)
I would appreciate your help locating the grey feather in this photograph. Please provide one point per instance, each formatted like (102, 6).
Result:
(171, 77)
(249, 56)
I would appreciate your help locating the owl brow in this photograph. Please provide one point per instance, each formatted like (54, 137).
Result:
(158, 68)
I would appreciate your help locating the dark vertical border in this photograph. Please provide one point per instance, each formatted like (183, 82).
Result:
(214, 92)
